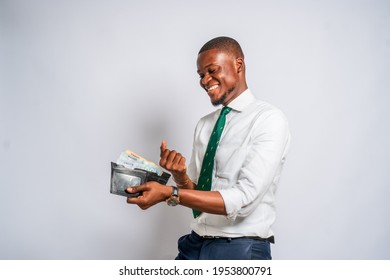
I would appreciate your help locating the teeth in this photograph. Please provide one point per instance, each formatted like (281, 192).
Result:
(212, 87)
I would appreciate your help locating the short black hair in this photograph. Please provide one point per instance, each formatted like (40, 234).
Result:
(224, 43)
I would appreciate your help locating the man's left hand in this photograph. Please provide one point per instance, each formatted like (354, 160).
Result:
(152, 193)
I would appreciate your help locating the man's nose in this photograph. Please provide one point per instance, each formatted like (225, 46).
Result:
(205, 79)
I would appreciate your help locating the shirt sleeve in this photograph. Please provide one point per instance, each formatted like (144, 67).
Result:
(261, 168)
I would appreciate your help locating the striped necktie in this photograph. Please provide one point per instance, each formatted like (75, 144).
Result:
(206, 173)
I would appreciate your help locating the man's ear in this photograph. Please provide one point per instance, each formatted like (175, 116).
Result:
(240, 64)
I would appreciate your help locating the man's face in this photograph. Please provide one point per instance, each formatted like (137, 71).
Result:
(218, 72)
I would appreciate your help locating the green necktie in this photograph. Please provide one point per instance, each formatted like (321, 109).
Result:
(206, 173)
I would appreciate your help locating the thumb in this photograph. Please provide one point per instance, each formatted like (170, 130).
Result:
(136, 189)
(163, 146)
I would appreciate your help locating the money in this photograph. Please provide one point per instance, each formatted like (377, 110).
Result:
(131, 160)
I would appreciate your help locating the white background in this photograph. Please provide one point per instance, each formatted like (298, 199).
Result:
(82, 80)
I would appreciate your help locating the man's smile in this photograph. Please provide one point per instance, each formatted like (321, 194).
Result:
(211, 88)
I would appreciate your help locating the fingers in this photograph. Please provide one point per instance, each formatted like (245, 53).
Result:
(178, 162)
(152, 193)
(172, 160)
(139, 200)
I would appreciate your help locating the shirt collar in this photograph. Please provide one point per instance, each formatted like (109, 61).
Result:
(242, 101)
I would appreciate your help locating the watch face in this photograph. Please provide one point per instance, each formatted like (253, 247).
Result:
(173, 201)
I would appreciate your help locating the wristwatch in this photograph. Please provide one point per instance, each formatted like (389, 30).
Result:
(174, 200)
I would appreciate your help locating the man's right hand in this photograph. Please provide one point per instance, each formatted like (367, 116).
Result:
(174, 162)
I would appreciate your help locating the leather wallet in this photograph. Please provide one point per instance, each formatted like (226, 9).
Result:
(122, 178)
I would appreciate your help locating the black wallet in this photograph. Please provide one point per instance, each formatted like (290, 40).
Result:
(122, 178)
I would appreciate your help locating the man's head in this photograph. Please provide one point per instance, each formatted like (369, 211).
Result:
(221, 69)
(226, 44)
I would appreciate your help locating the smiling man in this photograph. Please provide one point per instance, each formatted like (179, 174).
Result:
(237, 158)
(222, 72)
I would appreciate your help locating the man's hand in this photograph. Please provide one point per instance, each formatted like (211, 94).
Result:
(152, 193)
(174, 162)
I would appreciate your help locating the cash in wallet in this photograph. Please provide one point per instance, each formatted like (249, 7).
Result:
(133, 170)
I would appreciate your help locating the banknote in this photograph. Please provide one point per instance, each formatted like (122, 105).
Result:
(131, 160)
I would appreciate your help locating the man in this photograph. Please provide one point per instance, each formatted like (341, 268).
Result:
(232, 220)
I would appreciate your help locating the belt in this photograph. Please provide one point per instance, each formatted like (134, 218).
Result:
(270, 239)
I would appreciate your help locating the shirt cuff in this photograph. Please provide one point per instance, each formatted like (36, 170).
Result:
(231, 204)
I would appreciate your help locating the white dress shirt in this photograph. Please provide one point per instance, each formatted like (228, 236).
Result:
(247, 167)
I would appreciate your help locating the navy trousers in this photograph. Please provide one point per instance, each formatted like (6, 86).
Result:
(194, 247)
